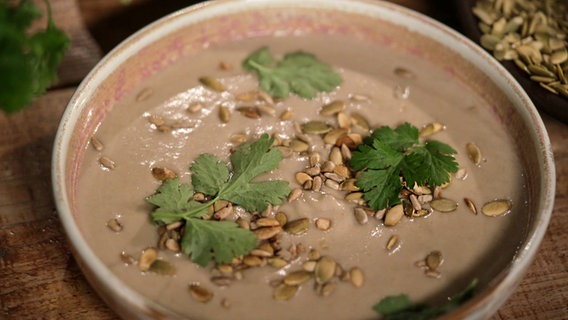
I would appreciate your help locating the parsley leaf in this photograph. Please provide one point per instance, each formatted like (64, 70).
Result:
(28, 62)
(298, 72)
(221, 240)
(388, 154)
(401, 308)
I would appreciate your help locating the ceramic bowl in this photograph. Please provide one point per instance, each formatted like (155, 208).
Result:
(164, 43)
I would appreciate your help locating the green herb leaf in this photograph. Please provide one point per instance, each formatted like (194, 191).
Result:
(221, 240)
(401, 308)
(298, 72)
(28, 62)
(387, 154)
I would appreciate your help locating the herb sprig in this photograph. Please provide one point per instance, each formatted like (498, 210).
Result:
(389, 154)
(298, 72)
(28, 61)
(401, 308)
(205, 240)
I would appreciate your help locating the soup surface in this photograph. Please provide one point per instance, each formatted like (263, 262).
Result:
(472, 246)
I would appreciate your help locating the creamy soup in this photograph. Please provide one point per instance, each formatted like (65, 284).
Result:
(472, 246)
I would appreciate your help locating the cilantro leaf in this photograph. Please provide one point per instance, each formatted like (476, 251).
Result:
(221, 240)
(225, 239)
(28, 61)
(209, 174)
(298, 72)
(401, 308)
(388, 154)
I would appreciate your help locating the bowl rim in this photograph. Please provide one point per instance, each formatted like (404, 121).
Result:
(482, 304)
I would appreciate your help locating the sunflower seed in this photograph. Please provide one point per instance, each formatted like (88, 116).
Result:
(323, 224)
(265, 233)
(107, 163)
(97, 144)
(284, 292)
(162, 174)
(114, 225)
(357, 277)
(469, 203)
(433, 260)
(392, 243)
(361, 215)
(393, 215)
(473, 152)
(147, 257)
(224, 114)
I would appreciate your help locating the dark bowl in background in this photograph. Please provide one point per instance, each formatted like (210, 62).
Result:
(545, 101)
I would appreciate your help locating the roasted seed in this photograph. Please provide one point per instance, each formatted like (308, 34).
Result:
(114, 225)
(224, 114)
(334, 185)
(302, 177)
(317, 183)
(359, 98)
(328, 166)
(162, 267)
(393, 215)
(248, 96)
(327, 289)
(444, 205)
(325, 269)
(360, 122)
(284, 292)
(297, 278)
(309, 265)
(474, 153)
(316, 127)
(332, 108)
(286, 115)
(404, 73)
(314, 159)
(107, 163)
(249, 112)
(295, 194)
(497, 207)
(97, 144)
(469, 203)
(323, 224)
(431, 129)
(200, 293)
(126, 258)
(277, 263)
(361, 215)
(335, 156)
(147, 257)
(265, 233)
(343, 120)
(212, 83)
(332, 136)
(252, 261)
(433, 260)
(392, 243)
(194, 107)
(162, 174)
(314, 254)
(172, 245)
(357, 277)
(297, 226)
(299, 146)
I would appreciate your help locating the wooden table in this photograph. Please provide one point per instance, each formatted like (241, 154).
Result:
(39, 278)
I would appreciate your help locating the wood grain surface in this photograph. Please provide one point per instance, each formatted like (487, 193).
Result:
(39, 278)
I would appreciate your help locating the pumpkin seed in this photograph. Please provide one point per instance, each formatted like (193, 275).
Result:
(297, 278)
(431, 128)
(357, 277)
(284, 292)
(277, 263)
(327, 289)
(393, 215)
(314, 254)
(212, 83)
(497, 207)
(473, 152)
(162, 267)
(252, 261)
(316, 127)
(224, 114)
(332, 108)
(444, 205)
(265, 233)
(309, 265)
(299, 146)
(325, 269)
(359, 121)
(297, 226)
(200, 293)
